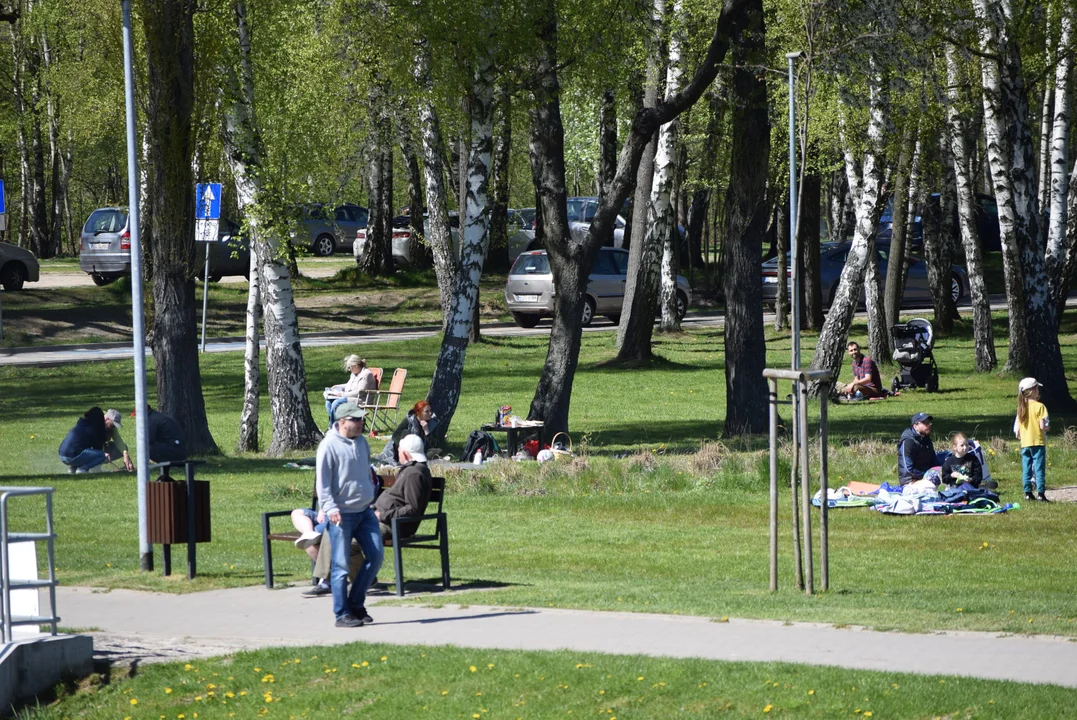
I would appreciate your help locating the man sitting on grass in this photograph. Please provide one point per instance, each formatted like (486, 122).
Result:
(916, 452)
(866, 382)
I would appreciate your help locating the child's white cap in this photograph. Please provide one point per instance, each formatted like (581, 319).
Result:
(1027, 384)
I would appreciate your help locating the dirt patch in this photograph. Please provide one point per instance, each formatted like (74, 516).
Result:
(1066, 494)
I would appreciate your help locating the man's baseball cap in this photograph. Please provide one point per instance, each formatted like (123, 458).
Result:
(114, 415)
(348, 410)
(1027, 384)
(921, 417)
(413, 446)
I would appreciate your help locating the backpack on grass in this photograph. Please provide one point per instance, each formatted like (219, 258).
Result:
(479, 441)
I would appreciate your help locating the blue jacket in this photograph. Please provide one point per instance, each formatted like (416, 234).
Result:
(916, 455)
(83, 436)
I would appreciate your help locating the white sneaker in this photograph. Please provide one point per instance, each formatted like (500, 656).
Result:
(307, 539)
(81, 471)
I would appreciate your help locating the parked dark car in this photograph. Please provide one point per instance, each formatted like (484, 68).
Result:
(986, 224)
(326, 229)
(106, 248)
(832, 261)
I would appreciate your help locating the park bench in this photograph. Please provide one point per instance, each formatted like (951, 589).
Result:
(437, 540)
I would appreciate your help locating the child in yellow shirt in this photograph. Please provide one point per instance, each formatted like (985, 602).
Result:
(1031, 428)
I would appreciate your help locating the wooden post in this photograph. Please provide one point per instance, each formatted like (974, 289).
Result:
(824, 525)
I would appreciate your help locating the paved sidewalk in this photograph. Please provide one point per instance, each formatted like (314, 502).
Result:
(159, 626)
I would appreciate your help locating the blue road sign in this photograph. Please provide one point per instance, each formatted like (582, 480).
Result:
(207, 204)
(3, 208)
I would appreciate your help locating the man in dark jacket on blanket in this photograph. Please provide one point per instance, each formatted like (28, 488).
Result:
(916, 452)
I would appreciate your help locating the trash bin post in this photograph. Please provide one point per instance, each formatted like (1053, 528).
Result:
(191, 561)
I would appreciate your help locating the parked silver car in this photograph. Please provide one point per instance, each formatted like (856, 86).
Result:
(529, 291)
(327, 230)
(17, 266)
(832, 261)
(106, 248)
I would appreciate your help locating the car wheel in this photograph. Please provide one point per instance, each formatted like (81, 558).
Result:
(323, 246)
(615, 319)
(13, 276)
(102, 280)
(682, 305)
(588, 314)
(957, 290)
(526, 320)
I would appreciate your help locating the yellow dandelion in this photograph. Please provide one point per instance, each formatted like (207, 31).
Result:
(489, 665)
(444, 692)
(366, 664)
(472, 668)
(768, 708)
(867, 713)
(640, 677)
(168, 691)
(811, 692)
(134, 701)
(384, 658)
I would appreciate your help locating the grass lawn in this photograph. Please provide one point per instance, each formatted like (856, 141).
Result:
(346, 302)
(447, 682)
(678, 525)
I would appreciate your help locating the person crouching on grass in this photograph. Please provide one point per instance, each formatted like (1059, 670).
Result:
(866, 382)
(346, 493)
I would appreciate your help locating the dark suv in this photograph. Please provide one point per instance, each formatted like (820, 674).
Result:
(106, 248)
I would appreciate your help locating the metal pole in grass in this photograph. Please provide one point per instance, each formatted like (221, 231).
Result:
(824, 525)
(145, 550)
(805, 490)
(773, 399)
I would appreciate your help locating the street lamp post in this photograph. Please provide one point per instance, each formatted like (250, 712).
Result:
(145, 550)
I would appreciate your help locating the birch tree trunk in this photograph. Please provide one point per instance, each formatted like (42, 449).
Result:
(169, 31)
(444, 392)
(957, 130)
(1059, 161)
(437, 220)
(662, 207)
(865, 186)
(293, 425)
(747, 212)
(636, 330)
(378, 258)
(916, 200)
(878, 332)
(248, 417)
(1015, 187)
(499, 208)
(808, 229)
(1070, 263)
(938, 254)
(895, 266)
(1000, 139)
(781, 231)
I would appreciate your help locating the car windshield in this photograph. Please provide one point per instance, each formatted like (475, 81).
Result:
(105, 221)
(531, 265)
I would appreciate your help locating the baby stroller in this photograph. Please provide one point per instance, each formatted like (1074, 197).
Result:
(913, 342)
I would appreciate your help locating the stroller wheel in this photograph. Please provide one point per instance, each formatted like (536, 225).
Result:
(895, 384)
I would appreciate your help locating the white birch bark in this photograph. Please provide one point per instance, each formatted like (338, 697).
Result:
(474, 243)
(248, 417)
(865, 186)
(664, 223)
(999, 150)
(1071, 241)
(957, 131)
(1059, 161)
(437, 222)
(293, 424)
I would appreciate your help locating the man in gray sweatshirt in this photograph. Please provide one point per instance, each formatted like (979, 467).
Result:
(346, 494)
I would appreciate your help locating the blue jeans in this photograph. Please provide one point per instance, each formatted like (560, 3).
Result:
(331, 405)
(1033, 462)
(88, 459)
(363, 527)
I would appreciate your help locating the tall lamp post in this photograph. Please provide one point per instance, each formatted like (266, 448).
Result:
(145, 550)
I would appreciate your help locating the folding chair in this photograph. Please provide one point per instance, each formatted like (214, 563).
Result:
(386, 401)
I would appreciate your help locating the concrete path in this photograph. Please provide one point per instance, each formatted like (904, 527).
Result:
(158, 626)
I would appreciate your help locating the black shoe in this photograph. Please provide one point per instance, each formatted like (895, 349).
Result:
(1043, 498)
(1030, 496)
(348, 620)
(989, 484)
(363, 616)
(319, 590)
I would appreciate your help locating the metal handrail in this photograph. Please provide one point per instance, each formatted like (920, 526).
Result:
(6, 540)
